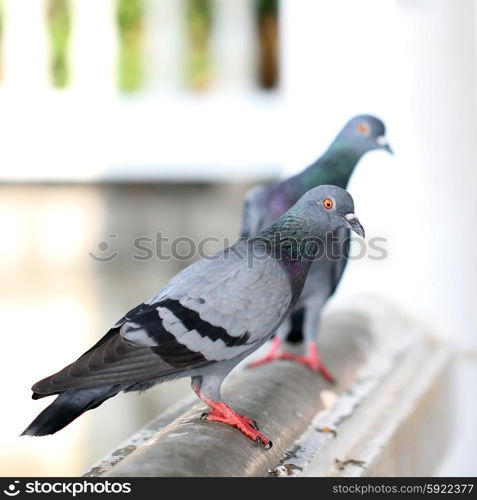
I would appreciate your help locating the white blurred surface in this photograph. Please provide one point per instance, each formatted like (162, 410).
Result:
(410, 62)
(413, 64)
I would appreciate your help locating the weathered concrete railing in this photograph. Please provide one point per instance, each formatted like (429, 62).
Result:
(389, 378)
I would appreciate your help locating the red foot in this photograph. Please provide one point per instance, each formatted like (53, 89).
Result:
(311, 360)
(273, 354)
(222, 413)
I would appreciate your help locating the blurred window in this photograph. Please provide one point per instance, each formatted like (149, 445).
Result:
(200, 18)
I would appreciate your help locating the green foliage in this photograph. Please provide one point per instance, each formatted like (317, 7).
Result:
(129, 17)
(267, 12)
(59, 30)
(199, 19)
(267, 6)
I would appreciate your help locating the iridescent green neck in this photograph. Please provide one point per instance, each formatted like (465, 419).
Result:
(288, 241)
(289, 238)
(334, 167)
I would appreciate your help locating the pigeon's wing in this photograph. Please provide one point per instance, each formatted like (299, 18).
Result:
(220, 307)
(214, 310)
(254, 211)
(338, 266)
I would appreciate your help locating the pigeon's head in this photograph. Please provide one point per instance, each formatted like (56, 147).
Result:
(329, 208)
(365, 133)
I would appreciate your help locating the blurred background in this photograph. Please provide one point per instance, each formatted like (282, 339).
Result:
(123, 118)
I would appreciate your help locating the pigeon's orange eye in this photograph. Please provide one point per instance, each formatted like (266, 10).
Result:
(363, 128)
(328, 203)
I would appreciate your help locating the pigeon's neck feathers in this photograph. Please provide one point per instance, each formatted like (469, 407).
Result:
(288, 241)
(344, 149)
(291, 227)
(335, 166)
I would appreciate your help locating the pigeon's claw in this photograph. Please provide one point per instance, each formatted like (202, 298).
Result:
(269, 358)
(311, 364)
(312, 361)
(273, 354)
(222, 413)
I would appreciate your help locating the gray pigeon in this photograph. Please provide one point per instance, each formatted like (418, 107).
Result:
(264, 204)
(207, 319)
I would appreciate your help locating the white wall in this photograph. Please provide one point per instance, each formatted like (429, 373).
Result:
(413, 64)
(163, 132)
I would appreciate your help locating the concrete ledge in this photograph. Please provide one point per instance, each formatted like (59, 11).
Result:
(394, 420)
(364, 348)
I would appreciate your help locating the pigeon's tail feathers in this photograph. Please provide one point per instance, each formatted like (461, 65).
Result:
(296, 332)
(67, 407)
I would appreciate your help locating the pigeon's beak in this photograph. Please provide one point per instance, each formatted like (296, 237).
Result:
(383, 143)
(353, 223)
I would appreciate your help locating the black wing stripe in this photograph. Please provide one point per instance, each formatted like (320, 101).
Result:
(168, 347)
(176, 354)
(192, 321)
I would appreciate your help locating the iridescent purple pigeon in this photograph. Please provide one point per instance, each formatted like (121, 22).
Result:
(206, 320)
(264, 204)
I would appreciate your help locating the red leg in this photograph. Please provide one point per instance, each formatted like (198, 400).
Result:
(273, 354)
(310, 360)
(223, 413)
